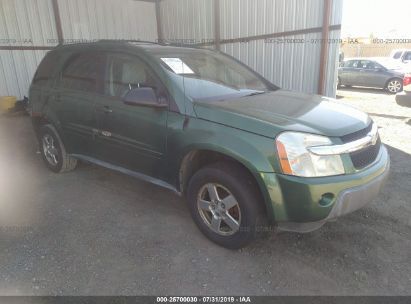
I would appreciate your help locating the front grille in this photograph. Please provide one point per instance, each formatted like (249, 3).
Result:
(366, 156)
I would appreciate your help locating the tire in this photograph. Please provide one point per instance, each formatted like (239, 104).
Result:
(394, 85)
(231, 182)
(53, 151)
(339, 84)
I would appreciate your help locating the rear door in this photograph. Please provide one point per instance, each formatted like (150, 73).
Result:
(75, 97)
(130, 136)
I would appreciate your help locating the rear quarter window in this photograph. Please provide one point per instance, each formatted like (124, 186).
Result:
(46, 69)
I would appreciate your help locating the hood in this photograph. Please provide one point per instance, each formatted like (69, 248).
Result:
(271, 113)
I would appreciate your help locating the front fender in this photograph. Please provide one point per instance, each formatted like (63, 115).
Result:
(255, 152)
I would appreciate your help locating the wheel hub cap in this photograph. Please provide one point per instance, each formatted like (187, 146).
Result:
(219, 209)
(49, 150)
(394, 86)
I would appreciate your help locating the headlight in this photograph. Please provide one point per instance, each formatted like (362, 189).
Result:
(295, 159)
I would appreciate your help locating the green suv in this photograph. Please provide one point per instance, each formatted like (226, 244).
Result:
(244, 153)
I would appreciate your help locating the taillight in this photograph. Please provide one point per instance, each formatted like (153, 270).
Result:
(407, 79)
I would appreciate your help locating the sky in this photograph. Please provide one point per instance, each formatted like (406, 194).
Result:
(383, 18)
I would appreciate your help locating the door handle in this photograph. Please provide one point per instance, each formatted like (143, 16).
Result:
(107, 109)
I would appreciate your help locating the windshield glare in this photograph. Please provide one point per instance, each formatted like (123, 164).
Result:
(208, 75)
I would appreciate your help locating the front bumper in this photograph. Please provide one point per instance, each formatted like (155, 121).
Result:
(297, 204)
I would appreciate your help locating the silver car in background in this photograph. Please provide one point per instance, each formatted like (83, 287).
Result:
(382, 73)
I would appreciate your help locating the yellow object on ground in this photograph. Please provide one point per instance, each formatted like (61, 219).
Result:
(6, 103)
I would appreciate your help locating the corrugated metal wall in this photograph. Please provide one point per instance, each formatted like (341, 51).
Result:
(31, 23)
(102, 19)
(16, 71)
(187, 20)
(23, 23)
(290, 65)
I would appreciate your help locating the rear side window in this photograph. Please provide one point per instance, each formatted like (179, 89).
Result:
(81, 73)
(370, 65)
(364, 64)
(46, 68)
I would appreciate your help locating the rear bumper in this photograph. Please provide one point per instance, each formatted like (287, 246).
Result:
(298, 204)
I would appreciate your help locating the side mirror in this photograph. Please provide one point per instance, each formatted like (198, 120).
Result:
(145, 97)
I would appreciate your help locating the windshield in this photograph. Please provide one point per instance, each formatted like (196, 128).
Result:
(213, 76)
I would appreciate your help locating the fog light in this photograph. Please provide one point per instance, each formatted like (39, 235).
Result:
(326, 199)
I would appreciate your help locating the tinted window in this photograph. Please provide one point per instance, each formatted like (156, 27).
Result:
(371, 65)
(81, 73)
(125, 73)
(46, 68)
(364, 64)
(407, 56)
(350, 63)
(397, 55)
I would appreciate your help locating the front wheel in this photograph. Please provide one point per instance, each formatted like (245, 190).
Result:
(225, 204)
(394, 86)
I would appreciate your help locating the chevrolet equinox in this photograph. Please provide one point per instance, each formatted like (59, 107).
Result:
(243, 152)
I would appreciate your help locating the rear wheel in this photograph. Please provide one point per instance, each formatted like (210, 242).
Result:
(53, 151)
(394, 86)
(225, 204)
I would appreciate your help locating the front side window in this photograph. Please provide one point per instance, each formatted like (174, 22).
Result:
(125, 73)
(207, 75)
(81, 73)
(351, 64)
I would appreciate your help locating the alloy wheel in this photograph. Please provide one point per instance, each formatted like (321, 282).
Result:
(394, 86)
(49, 150)
(219, 209)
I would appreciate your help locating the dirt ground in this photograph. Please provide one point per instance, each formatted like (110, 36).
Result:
(96, 232)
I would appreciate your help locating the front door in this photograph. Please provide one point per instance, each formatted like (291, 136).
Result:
(130, 136)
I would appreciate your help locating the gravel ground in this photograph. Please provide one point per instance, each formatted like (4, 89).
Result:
(96, 232)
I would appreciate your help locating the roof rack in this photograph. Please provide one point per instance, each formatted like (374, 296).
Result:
(162, 43)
